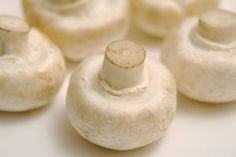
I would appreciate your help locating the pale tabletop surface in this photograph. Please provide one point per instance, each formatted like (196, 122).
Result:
(199, 130)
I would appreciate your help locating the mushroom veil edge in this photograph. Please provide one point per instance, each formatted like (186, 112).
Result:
(122, 100)
(31, 67)
(202, 56)
(80, 27)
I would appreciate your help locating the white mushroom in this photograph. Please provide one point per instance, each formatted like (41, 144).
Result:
(157, 17)
(31, 68)
(195, 7)
(121, 102)
(202, 56)
(80, 27)
(160, 17)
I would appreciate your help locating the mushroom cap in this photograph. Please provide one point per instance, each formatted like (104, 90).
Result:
(160, 17)
(204, 66)
(195, 7)
(30, 79)
(80, 27)
(120, 122)
(157, 17)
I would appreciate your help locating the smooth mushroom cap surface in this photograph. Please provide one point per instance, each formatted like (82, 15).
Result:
(118, 113)
(196, 7)
(202, 54)
(80, 27)
(31, 67)
(161, 17)
(157, 17)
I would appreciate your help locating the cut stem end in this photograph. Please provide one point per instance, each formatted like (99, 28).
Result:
(218, 25)
(123, 65)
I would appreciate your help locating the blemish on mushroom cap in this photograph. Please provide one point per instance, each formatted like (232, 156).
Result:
(218, 25)
(125, 54)
(13, 24)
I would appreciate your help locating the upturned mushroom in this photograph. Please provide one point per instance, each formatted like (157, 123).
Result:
(202, 56)
(80, 27)
(121, 101)
(31, 67)
(160, 17)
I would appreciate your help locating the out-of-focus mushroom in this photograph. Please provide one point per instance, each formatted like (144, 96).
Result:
(31, 67)
(80, 27)
(160, 17)
(202, 55)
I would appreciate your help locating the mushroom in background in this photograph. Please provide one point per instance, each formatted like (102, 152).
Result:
(80, 27)
(202, 56)
(160, 17)
(31, 67)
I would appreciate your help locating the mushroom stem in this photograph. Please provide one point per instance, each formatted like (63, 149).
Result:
(123, 65)
(13, 35)
(218, 25)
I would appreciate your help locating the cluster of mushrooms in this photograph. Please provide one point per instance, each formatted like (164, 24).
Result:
(118, 97)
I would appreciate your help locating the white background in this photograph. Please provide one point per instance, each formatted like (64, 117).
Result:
(199, 130)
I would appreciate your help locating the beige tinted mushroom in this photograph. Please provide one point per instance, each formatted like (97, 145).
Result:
(160, 17)
(157, 17)
(80, 27)
(195, 7)
(121, 101)
(202, 57)
(31, 68)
